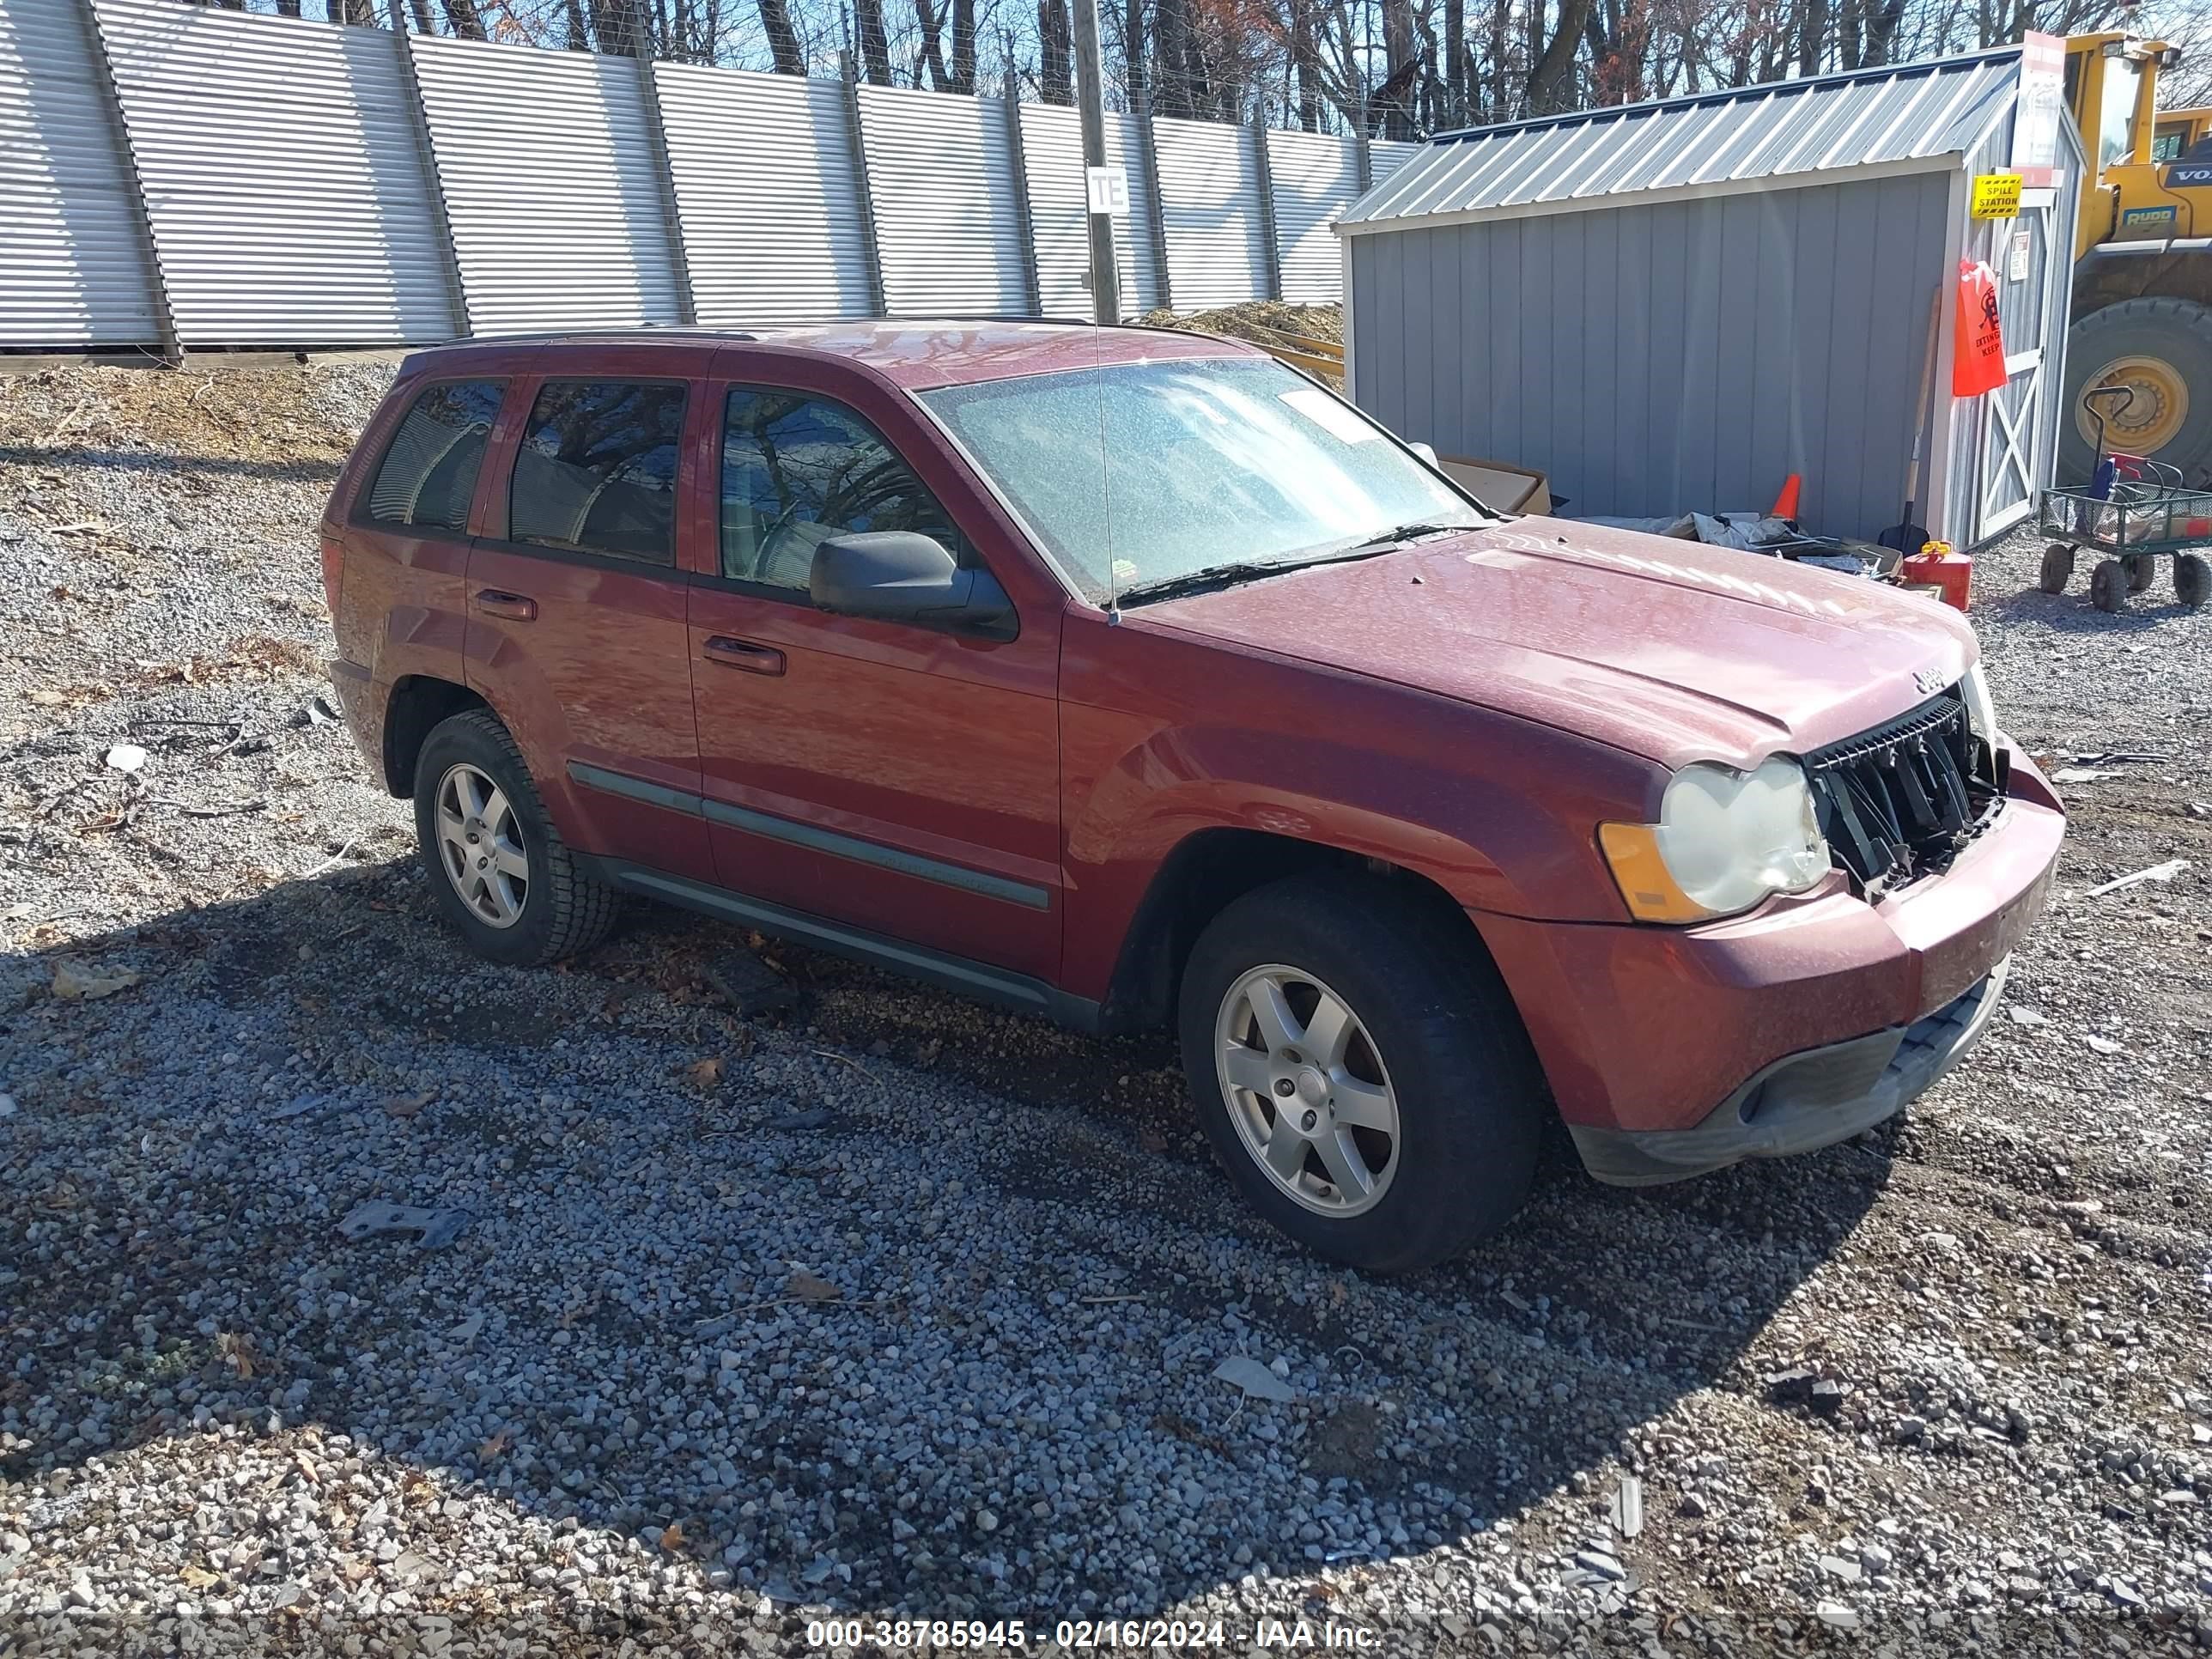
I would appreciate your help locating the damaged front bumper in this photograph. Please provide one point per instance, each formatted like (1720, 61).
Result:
(1804, 1101)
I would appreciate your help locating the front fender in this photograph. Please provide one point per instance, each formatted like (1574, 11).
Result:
(1497, 812)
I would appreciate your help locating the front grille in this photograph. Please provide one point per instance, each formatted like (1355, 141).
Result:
(1896, 802)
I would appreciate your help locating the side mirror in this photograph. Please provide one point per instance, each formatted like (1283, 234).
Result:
(900, 575)
(1426, 454)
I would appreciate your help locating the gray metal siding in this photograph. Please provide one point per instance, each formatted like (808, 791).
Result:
(551, 186)
(1052, 155)
(1386, 155)
(766, 191)
(74, 267)
(1908, 111)
(283, 179)
(1316, 178)
(1215, 222)
(1762, 335)
(941, 176)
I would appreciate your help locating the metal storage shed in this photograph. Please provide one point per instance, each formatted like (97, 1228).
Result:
(1674, 305)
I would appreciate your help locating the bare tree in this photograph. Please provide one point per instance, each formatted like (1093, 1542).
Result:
(1055, 52)
(1550, 79)
(782, 37)
(875, 44)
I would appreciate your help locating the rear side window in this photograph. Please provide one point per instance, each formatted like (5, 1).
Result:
(430, 473)
(597, 469)
(797, 471)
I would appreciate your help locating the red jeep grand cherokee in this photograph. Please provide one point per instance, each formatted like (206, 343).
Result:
(1130, 677)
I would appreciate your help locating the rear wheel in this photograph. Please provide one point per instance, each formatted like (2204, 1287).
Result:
(503, 874)
(1360, 1071)
(2141, 568)
(2161, 350)
(2057, 568)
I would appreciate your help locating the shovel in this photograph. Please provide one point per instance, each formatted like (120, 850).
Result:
(1907, 536)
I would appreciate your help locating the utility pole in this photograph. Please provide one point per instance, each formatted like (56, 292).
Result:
(1099, 180)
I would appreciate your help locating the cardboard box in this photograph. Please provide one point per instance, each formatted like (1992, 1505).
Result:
(1508, 487)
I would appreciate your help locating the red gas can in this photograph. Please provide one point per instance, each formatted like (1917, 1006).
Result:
(1936, 566)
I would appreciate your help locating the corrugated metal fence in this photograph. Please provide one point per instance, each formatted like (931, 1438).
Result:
(177, 176)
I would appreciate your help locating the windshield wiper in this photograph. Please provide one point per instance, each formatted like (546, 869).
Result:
(1240, 570)
(1406, 532)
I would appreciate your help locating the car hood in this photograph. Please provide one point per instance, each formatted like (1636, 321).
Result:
(1669, 649)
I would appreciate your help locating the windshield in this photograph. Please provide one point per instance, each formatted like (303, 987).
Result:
(1228, 461)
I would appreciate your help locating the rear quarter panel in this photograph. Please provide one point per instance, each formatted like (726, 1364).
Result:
(401, 596)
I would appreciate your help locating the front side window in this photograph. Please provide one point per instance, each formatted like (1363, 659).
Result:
(430, 473)
(797, 471)
(2116, 121)
(597, 469)
(1135, 474)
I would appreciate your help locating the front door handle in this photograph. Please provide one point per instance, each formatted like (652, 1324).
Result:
(743, 653)
(494, 602)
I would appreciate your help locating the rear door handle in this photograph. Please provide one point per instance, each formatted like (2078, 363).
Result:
(743, 653)
(494, 602)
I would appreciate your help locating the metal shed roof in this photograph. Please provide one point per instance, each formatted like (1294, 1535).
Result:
(1891, 117)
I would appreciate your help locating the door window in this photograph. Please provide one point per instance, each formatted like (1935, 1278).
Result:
(428, 474)
(797, 471)
(597, 469)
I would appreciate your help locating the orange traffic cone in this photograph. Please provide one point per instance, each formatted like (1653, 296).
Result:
(1785, 504)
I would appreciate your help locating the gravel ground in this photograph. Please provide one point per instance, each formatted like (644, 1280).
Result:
(892, 1306)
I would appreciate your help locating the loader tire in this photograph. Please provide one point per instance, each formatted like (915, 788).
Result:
(2160, 347)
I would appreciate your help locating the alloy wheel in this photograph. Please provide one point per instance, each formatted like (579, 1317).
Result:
(480, 846)
(1306, 1087)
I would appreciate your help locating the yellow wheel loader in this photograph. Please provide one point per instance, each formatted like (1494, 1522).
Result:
(2143, 273)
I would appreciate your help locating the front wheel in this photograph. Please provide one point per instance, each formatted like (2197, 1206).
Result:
(503, 876)
(2192, 580)
(2108, 587)
(1360, 1071)
(2057, 568)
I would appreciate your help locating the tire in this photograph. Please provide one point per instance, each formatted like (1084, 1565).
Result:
(558, 910)
(2192, 580)
(2141, 568)
(2057, 568)
(2108, 586)
(1431, 1023)
(2176, 332)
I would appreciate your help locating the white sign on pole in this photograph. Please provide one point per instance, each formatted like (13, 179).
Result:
(2035, 115)
(1108, 189)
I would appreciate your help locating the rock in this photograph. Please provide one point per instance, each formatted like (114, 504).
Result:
(1691, 1506)
(750, 986)
(1600, 1563)
(1836, 1567)
(1258, 1382)
(1910, 1429)
(124, 757)
(1792, 1385)
(1836, 1616)
(1626, 1510)
(1828, 1396)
